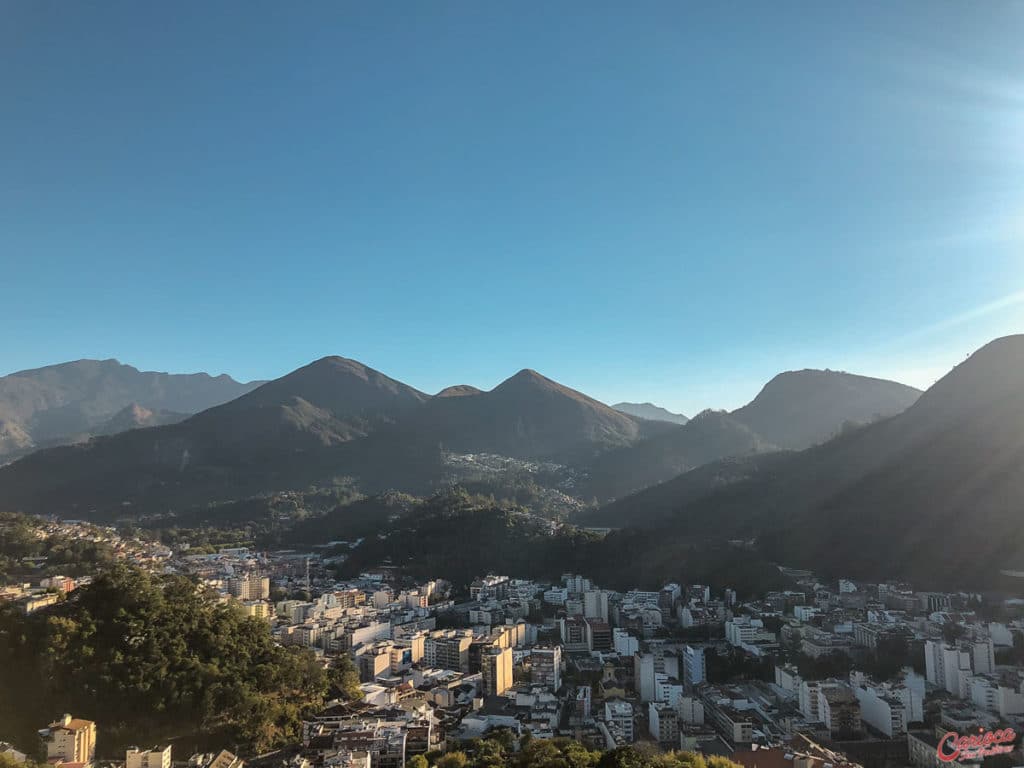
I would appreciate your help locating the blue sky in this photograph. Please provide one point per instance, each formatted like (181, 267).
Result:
(647, 201)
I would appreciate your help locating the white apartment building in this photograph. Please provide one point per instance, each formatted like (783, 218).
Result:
(624, 643)
(694, 668)
(667, 690)
(576, 585)
(744, 630)
(788, 678)
(556, 596)
(595, 604)
(158, 757)
(988, 694)
(882, 711)
(811, 693)
(620, 714)
(691, 710)
(643, 676)
(949, 667)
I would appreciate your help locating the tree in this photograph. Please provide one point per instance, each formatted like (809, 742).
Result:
(489, 753)
(578, 756)
(150, 656)
(344, 678)
(623, 757)
(452, 760)
(417, 761)
(6, 761)
(541, 753)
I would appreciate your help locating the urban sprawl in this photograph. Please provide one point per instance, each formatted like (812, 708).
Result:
(824, 675)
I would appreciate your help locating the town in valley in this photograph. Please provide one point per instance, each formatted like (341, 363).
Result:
(822, 673)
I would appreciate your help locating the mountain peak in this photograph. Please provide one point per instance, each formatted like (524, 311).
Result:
(799, 408)
(992, 373)
(459, 390)
(83, 364)
(336, 363)
(528, 379)
(528, 374)
(337, 384)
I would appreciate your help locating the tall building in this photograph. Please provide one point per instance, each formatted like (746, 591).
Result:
(690, 710)
(882, 711)
(694, 670)
(546, 666)
(663, 722)
(259, 609)
(490, 587)
(811, 695)
(449, 650)
(946, 666)
(576, 585)
(618, 715)
(668, 597)
(158, 757)
(983, 655)
(250, 586)
(625, 644)
(643, 676)
(667, 689)
(71, 739)
(595, 604)
(840, 711)
(599, 635)
(575, 636)
(374, 661)
(581, 709)
(496, 666)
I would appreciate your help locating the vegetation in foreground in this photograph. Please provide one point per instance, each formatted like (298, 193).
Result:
(497, 752)
(153, 659)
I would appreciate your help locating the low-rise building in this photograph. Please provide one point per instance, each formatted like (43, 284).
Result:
(71, 739)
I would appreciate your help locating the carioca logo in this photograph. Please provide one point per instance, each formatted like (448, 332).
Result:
(974, 746)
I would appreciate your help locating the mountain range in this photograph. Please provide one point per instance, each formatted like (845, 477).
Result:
(337, 418)
(651, 412)
(934, 494)
(794, 410)
(73, 401)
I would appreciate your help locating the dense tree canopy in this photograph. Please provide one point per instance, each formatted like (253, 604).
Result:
(149, 658)
(495, 752)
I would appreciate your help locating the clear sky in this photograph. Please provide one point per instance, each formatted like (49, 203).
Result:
(647, 201)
